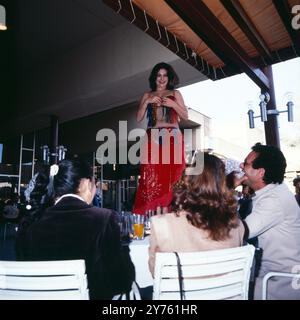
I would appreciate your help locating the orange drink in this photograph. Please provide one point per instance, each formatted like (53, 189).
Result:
(138, 231)
(138, 227)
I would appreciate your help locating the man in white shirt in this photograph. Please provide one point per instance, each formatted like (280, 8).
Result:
(275, 220)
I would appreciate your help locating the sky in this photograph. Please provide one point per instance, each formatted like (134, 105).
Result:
(227, 102)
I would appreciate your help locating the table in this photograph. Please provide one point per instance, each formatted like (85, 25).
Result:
(139, 256)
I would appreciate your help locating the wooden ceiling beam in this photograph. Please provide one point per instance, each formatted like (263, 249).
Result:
(285, 14)
(206, 25)
(239, 15)
(277, 56)
(153, 28)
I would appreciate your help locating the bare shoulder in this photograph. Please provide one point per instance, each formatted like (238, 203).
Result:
(177, 93)
(146, 95)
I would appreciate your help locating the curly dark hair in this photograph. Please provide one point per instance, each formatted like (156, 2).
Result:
(210, 205)
(272, 160)
(172, 76)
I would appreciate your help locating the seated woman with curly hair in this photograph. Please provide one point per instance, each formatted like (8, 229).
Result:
(204, 215)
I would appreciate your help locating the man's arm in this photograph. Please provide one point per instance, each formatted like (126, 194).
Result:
(265, 214)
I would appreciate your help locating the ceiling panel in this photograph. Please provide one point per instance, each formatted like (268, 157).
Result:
(47, 29)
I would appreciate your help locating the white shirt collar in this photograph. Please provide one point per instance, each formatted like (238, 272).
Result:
(69, 195)
(266, 188)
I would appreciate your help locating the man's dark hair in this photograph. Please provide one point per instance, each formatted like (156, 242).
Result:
(272, 160)
(296, 181)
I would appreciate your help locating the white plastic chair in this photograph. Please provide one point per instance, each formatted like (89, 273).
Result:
(43, 280)
(134, 294)
(269, 275)
(207, 275)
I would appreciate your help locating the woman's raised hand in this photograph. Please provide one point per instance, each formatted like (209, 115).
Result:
(155, 99)
(168, 102)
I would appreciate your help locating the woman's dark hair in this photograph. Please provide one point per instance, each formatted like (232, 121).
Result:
(70, 173)
(230, 180)
(172, 76)
(272, 160)
(209, 204)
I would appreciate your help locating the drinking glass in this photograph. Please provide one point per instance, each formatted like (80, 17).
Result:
(233, 165)
(138, 227)
(125, 227)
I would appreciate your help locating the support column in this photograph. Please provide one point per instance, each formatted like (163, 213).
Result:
(271, 126)
(53, 139)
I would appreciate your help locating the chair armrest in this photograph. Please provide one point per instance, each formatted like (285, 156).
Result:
(275, 274)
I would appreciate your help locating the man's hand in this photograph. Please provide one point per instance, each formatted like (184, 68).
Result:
(239, 180)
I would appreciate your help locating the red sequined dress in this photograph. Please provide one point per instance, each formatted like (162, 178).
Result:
(162, 162)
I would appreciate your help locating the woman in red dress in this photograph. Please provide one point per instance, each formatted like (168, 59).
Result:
(162, 155)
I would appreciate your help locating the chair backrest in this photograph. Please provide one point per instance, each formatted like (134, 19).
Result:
(207, 275)
(43, 280)
(134, 294)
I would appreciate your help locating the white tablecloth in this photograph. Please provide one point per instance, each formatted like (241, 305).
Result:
(139, 256)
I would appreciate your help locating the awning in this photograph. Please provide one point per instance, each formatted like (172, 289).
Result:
(220, 38)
